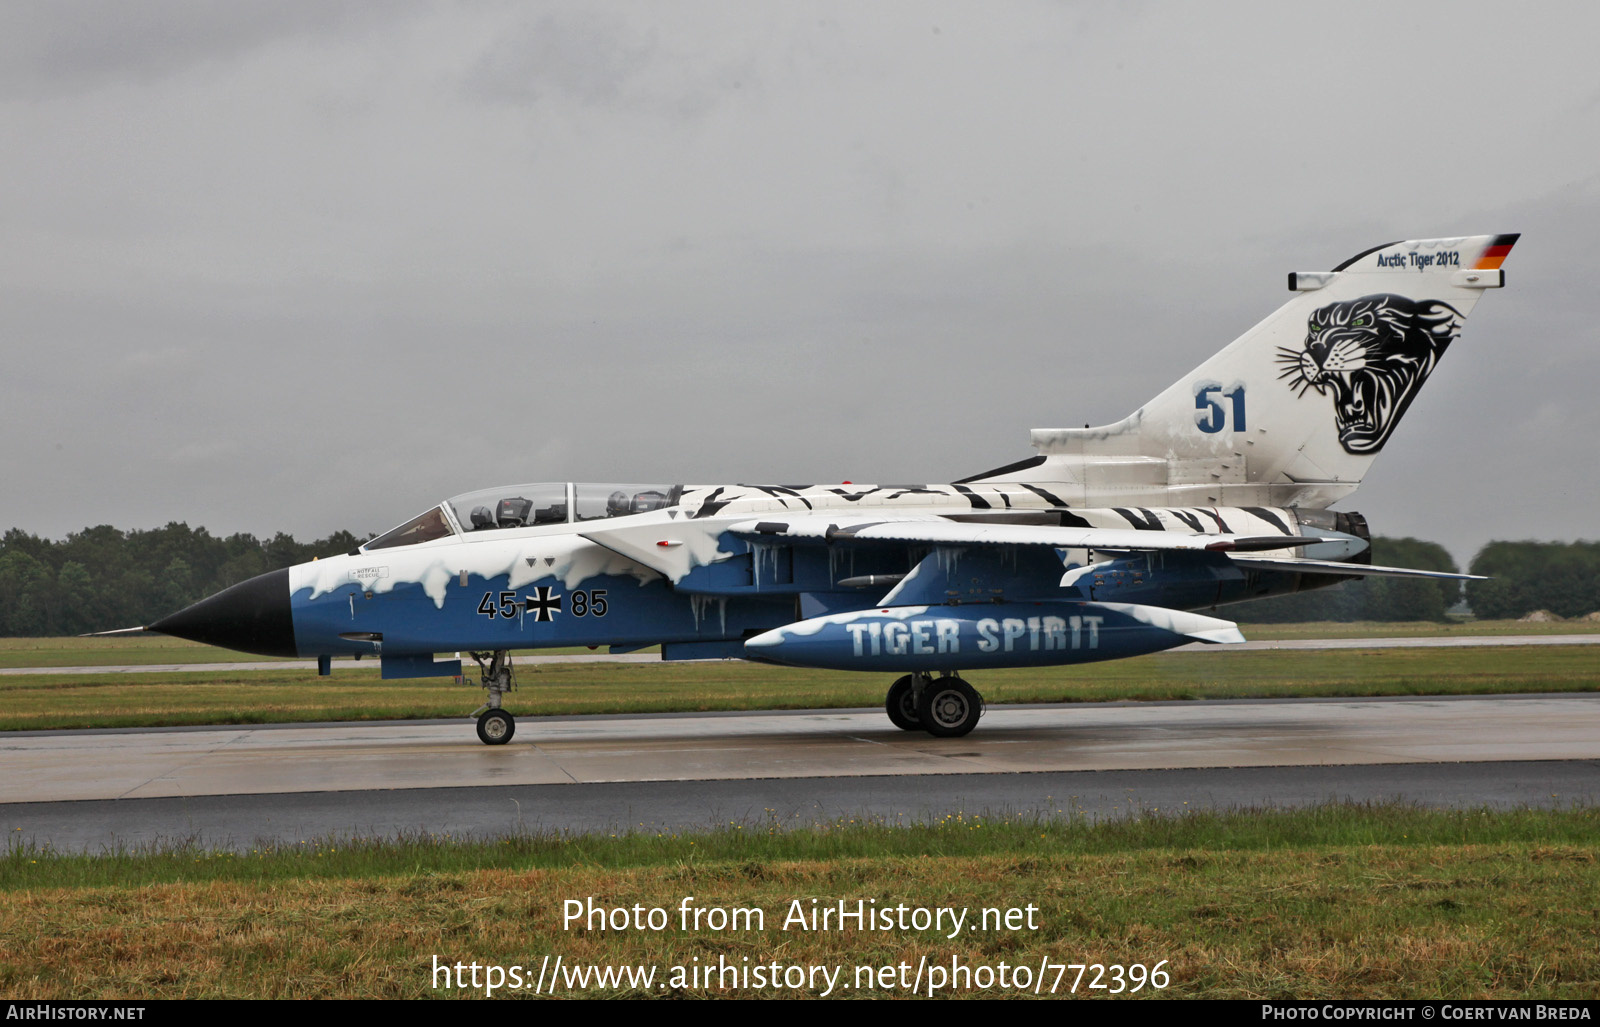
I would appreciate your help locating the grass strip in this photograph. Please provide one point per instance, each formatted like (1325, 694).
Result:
(1385, 901)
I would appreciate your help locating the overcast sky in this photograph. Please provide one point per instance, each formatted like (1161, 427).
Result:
(308, 266)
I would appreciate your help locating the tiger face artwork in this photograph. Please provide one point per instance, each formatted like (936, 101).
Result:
(1372, 355)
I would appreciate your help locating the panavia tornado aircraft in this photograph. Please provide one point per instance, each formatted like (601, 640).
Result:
(1100, 546)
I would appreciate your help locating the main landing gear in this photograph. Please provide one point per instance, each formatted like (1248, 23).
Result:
(495, 725)
(945, 707)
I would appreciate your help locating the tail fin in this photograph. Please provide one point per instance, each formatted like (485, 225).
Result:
(1294, 410)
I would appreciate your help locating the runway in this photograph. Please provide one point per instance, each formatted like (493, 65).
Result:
(72, 765)
(240, 823)
(238, 786)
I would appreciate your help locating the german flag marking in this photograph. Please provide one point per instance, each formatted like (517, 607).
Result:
(1495, 253)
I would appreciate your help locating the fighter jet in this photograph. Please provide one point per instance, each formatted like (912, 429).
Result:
(1107, 542)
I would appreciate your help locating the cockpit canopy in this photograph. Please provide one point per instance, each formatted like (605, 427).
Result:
(524, 506)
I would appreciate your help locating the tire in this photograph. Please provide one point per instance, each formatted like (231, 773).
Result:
(901, 705)
(496, 727)
(950, 708)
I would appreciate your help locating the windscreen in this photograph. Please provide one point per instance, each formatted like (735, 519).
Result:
(422, 528)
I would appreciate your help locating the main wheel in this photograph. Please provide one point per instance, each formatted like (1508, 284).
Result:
(496, 727)
(901, 705)
(950, 708)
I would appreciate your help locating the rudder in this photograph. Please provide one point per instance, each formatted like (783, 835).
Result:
(1293, 411)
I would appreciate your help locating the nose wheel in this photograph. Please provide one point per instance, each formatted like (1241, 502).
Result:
(495, 727)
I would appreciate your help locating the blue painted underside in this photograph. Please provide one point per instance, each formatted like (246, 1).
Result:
(739, 598)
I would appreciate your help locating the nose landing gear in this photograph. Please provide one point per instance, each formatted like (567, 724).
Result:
(495, 725)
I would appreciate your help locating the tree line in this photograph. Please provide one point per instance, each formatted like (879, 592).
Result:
(103, 578)
(1561, 577)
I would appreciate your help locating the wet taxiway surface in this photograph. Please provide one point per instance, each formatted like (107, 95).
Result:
(70, 765)
(237, 786)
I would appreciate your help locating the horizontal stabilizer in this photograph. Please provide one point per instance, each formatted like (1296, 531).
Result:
(1359, 570)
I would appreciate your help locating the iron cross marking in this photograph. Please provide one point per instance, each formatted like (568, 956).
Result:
(544, 606)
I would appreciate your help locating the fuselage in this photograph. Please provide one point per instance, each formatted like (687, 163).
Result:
(556, 564)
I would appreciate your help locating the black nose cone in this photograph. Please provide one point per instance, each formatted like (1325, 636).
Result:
(252, 616)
